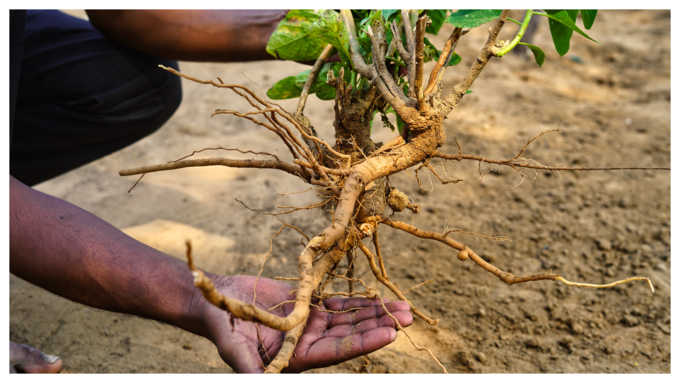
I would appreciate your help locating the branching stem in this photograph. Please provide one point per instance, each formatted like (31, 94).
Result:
(310, 80)
(523, 28)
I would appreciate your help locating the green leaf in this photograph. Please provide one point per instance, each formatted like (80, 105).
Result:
(331, 30)
(472, 18)
(561, 34)
(301, 79)
(468, 91)
(538, 53)
(291, 39)
(375, 15)
(588, 16)
(390, 14)
(385, 121)
(430, 52)
(400, 123)
(284, 89)
(437, 16)
(562, 27)
(455, 59)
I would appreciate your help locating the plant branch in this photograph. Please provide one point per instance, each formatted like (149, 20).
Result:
(487, 52)
(397, 42)
(357, 60)
(418, 84)
(310, 80)
(369, 71)
(507, 48)
(377, 35)
(438, 71)
(411, 47)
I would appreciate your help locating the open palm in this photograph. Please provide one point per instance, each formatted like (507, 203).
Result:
(328, 338)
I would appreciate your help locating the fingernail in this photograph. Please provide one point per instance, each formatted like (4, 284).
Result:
(50, 358)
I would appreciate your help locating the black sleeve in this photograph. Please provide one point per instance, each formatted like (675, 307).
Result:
(17, 25)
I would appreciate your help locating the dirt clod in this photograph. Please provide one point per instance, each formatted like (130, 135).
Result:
(630, 320)
(604, 244)
(480, 357)
(397, 200)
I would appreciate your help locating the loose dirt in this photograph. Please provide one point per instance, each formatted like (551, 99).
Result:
(612, 105)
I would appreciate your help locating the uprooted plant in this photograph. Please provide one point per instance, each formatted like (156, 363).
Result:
(382, 55)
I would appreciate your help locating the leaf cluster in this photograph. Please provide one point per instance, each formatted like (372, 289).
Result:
(303, 34)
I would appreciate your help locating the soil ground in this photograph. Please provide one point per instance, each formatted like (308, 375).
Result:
(612, 105)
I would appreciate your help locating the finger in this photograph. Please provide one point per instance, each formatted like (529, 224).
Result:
(330, 351)
(367, 313)
(342, 304)
(244, 358)
(343, 330)
(31, 360)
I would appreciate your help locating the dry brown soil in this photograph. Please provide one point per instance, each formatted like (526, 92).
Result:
(612, 105)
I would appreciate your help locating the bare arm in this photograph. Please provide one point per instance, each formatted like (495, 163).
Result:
(74, 254)
(192, 35)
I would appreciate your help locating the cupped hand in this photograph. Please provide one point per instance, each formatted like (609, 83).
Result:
(329, 338)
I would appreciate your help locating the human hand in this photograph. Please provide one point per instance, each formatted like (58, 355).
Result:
(328, 338)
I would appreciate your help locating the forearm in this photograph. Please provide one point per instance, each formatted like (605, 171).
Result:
(74, 254)
(192, 35)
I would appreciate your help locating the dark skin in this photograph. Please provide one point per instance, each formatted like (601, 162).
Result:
(192, 35)
(74, 254)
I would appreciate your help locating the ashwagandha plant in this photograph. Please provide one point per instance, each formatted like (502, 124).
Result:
(382, 55)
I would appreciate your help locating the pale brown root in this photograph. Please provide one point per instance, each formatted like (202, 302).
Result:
(366, 367)
(409, 337)
(350, 272)
(498, 239)
(378, 253)
(510, 279)
(136, 182)
(321, 267)
(228, 149)
(607, 285)
(292, 209)
(261, 341)
(443, 181)
(257, 164)
(282, 359)
(390, 285)
(349, 279)
(284, 302)
(251, 313)
(337, 172)
(418, 285)
(271, 247)
(514, 161)
(288, 136)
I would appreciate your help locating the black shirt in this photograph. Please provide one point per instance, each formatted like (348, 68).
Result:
(17, 25)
